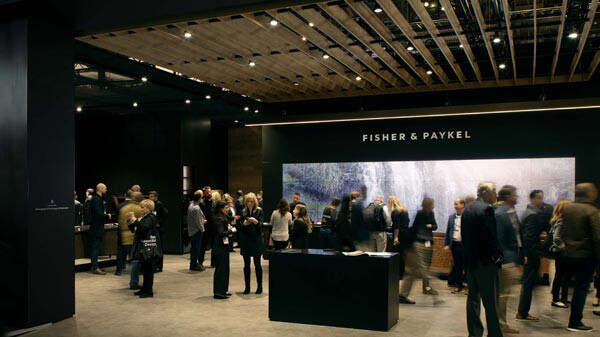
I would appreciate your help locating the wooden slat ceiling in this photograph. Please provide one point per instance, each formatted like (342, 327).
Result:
(354, 48)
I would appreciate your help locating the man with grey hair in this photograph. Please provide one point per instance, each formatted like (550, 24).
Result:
(195, 227)
(482, 259)
(581, 234)
(99, 218)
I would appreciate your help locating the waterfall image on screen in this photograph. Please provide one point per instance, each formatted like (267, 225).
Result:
(444, 181)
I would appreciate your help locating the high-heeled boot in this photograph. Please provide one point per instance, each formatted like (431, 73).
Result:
(247, 280)
(259, 288)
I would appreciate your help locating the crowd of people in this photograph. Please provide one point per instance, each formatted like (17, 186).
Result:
(493, 247)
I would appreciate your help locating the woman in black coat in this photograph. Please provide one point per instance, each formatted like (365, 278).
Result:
(302, 227)
(402, 238)
(423, 227)
(250, 240)
(144, 228)
(221, 250)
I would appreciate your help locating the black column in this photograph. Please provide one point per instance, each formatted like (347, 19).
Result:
(36, 166)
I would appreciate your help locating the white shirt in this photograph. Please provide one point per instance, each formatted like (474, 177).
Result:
(456, 235)
(280, 225)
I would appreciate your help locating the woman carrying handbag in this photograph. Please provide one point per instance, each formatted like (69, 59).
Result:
(146, 247)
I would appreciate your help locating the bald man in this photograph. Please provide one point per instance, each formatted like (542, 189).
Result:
(581, 234)
(99, 218)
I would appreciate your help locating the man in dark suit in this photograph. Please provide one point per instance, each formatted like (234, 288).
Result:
(207, 205)
(162, 215)
(482, 259)
(99, 217)
(453, 241)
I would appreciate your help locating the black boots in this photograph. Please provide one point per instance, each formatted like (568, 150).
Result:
(247, 280)
(247, 275)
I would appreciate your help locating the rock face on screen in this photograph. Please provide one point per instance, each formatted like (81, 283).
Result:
(444, 181)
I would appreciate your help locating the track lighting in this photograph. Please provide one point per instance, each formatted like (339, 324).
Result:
(187, 35)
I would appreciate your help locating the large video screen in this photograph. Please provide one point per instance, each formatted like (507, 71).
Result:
(444, 181)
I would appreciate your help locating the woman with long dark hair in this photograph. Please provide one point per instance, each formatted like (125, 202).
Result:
(563, 273)
(250, 237)
(281, 220)
(328, 222)
(221, 250)
(343, 227)
(302, 227)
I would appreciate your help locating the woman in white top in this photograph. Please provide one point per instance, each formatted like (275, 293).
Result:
(281, 220)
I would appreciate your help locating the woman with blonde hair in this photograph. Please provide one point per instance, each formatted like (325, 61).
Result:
(563, 274)
(302, 227)
(250, 240)
(400, 221)
(216, 196)
(145, 234)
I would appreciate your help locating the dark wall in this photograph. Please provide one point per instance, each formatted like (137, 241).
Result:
(524, 135)
(36, 168)
(143, 149)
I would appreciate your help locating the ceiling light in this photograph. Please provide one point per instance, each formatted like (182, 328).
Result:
(135, 104)
(187, 101)
(187, 35)
(296, 83)
(207, 97)
(426, 4)
(573, 35)
(358, 78)
(311, 24)
(144, 79)
(79, 109)
(274, 22)
(256, 111)
(252, 64)
(378, 10)
(410, 48)
(461, 46)
(304, 38)
(246, 108)
(429, 72)
(236, 121)
(502, 66)
(443, 8)
(496, 40)
(432, 5)
(325, 56)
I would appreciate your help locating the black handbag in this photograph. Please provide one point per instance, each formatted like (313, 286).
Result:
(150, 247)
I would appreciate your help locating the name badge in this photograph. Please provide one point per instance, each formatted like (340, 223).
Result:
(427, 244)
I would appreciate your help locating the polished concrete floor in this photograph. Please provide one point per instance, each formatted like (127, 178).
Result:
(183, 306)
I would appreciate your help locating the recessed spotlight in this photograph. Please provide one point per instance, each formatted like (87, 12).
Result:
(144, 79)
(461, 46)
(378, 10)
(273, 22)
(187, 101)
(429, 72)
(426, 4)
(252, 64)
(135, 104)
(304, 38)
(496, 40)
(236, 121)
(410, 48)
(502, 66)
(573, 35)
(207, 97)
(358, 78)
(187, 35)
(311, 24)
(79, 109)
(296, 83)
(246, 108)
(325, 56)
(443, 8)
(432, 5)
(256, 111)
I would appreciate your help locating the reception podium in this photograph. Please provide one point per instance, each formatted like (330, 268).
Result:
(320, 287)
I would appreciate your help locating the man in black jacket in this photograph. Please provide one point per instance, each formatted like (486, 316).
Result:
(482, 259)
(162, 215)
(99, 217)
(532, 227)
(207, 205)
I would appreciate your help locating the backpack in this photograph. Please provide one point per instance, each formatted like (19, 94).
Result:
(374, 218)
(87, 212)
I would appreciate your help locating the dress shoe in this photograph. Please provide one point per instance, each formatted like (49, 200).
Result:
(509, 330)
(579, 328)
(596, 312)
(146, 295)
(118, 273)
(527, 318)
(259, 290)
(220, 297)
(228, 294)
(560, 305)
(197, 269)
(246, 291)
(135, 287)
(406, 300)
(98, 271)
(137, 293)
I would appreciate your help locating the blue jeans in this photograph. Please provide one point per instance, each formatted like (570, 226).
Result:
(122, 252)
(196, 243)
(134, 279)
(96, 247)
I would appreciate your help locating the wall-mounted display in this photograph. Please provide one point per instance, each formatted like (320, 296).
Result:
(443, 180)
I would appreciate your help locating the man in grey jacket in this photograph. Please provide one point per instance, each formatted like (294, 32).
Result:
(195, 227)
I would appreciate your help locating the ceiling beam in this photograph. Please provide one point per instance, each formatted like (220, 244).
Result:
(400, 21)
(426, 20)
(561, 29)
(375, 23)
(534, 39)
(593, 65)
(458, 30)
(486, 38)
(583, 36)
(511, 43)
(344, 20)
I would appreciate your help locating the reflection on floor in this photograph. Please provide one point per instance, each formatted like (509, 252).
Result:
(183, 306)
